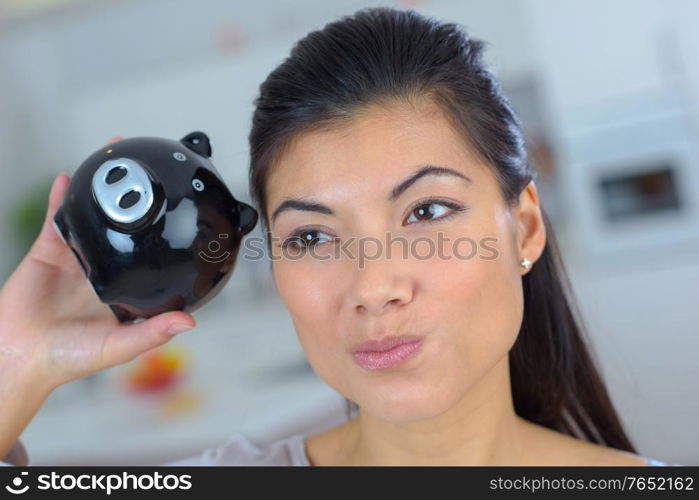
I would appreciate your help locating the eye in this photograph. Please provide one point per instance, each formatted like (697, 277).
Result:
(304, 239)
(198, 185)
(433, 210)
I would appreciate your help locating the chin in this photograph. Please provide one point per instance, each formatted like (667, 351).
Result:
(405, 407)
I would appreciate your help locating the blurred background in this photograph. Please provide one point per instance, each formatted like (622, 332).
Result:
(608, 93)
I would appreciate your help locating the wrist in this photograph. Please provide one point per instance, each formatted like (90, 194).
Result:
(24, 375)
(22, 395)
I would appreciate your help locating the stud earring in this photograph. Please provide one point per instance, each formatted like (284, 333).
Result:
(525, 263)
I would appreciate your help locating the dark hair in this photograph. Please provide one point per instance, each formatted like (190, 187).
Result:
(382, 54)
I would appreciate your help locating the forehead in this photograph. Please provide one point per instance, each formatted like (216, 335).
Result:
(371, 151)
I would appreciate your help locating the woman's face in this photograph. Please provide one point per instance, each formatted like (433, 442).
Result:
(458, 288)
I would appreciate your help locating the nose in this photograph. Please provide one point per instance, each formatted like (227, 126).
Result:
(123, 190)
(379, 286)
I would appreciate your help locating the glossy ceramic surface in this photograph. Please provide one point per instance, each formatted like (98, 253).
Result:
(153, 225)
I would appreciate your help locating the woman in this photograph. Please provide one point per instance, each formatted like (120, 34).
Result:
(453, 333)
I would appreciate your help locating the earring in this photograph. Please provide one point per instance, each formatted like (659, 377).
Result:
(525, 263)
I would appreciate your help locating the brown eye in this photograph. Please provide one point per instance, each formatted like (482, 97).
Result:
(432, 211)
(305, 238)
(308, 237)
(425, 212)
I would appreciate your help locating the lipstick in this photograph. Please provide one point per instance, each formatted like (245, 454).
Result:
(387, 353)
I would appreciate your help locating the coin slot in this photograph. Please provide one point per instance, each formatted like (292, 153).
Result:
(116, 174)
(129, 199)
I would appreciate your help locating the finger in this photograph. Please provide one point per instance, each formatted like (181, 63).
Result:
(126, 342)
(58, 191)
(115, 139)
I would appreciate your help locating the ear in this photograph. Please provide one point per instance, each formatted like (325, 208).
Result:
(247, 217)
(531, 227)
(198, 142)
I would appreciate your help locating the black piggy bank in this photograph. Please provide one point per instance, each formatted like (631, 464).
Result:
(153, 225)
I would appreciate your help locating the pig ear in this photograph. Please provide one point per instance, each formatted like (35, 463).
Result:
(247, 218)
(198, 142)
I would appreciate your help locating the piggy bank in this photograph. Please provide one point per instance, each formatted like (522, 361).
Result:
(153, 225)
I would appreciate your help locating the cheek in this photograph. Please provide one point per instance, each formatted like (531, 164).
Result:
(310, 295)
(302, 288)
(478, 294)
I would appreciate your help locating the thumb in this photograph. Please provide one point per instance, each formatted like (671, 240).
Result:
(125, 342)
(58, 191)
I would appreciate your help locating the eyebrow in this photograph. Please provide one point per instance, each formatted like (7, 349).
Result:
(396, 192)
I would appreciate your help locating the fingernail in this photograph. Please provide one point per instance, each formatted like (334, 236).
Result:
(176, 328)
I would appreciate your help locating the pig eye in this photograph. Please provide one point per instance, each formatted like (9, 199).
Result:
(123, 190)
(198, 185)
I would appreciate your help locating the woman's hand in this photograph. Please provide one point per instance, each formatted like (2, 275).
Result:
(54, 329)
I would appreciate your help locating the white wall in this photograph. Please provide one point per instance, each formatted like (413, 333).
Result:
(603, 62)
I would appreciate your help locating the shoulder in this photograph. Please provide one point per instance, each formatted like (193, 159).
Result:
(240, 450)
(330, 447)
(551, 447)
